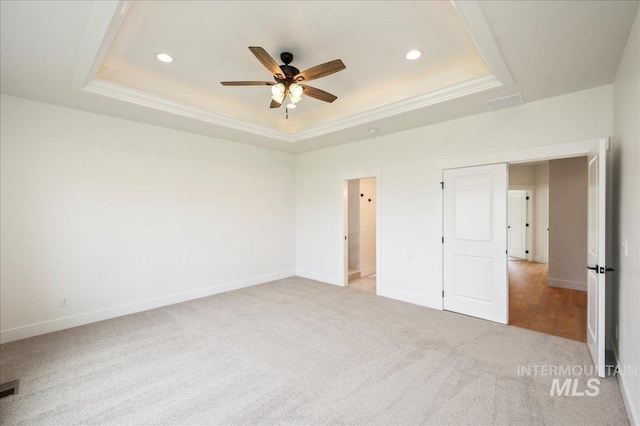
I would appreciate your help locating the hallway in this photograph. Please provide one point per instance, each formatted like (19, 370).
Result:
(536, 306)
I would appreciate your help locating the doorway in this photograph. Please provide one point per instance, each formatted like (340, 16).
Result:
(361, 234)
(548, 294)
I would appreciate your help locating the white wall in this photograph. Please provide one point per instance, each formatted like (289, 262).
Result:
(410, 240)
(120, 216)
(368, 227)
(626, 219)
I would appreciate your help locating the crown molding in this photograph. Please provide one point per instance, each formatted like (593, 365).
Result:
(107, 16)
(104, 22)
(465, 88)
(472, 16)
(138, 97)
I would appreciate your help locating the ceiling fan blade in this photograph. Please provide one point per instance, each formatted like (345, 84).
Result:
(318, 94)
(275, 104)
(247, 83)
(319, 71)
(266, 60)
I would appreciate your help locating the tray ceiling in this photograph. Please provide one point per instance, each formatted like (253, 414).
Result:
(98, 56)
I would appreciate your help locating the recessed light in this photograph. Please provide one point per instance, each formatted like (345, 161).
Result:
(164, 57)
(412, 55)
(373, 130)
(291, 105)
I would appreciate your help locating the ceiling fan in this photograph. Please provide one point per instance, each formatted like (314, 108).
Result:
(288, 79)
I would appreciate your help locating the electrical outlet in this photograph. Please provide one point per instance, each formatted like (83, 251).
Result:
(64, 302)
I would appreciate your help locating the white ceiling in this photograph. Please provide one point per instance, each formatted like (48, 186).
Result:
(549, 49)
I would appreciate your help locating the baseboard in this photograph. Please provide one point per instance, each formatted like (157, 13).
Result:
(367, 271)
(632, 414)
(131, 308)
(320, 277)
(429, 302)
(572, 285)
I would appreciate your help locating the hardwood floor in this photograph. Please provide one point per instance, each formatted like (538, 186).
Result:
(536, 306)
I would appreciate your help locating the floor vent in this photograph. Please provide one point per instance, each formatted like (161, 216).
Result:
(9, 388)
(506, 102)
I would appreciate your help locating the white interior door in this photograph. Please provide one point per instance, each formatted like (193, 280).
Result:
(596, 254)
(517, 224)
(475, 242)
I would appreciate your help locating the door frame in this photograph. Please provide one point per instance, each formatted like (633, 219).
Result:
(347, 176)
(524, 155)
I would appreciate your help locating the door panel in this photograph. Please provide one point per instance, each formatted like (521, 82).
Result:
(472, 277)
(472, 211)
(596, 254)
(475, 242)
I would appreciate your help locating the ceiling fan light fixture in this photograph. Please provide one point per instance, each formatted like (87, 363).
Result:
(295, 90)
(277, 90)
(164, 57)
(291, 105)
(412, 55)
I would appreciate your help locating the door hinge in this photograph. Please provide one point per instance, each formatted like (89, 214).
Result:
(442, 240)
(442, 185)
(442, 293)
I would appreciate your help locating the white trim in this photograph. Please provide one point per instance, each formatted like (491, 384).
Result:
(131, 308)
(572, 285)
(634, 419)
(429, 302)
(361, 174)
(472, 16)
(104, 22)
(465, 88)
(107, 16)
(524, 155)
(138, 97)
(327, 279)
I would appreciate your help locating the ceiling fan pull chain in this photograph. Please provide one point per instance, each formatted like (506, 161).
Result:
(286, 111)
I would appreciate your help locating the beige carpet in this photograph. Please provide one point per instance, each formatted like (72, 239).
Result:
(296, 351)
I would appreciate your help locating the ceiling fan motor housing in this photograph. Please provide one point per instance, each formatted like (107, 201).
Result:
(288, 70)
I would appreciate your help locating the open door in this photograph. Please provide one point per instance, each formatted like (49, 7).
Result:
(596, 254)
(475, 242)
(517, 224)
